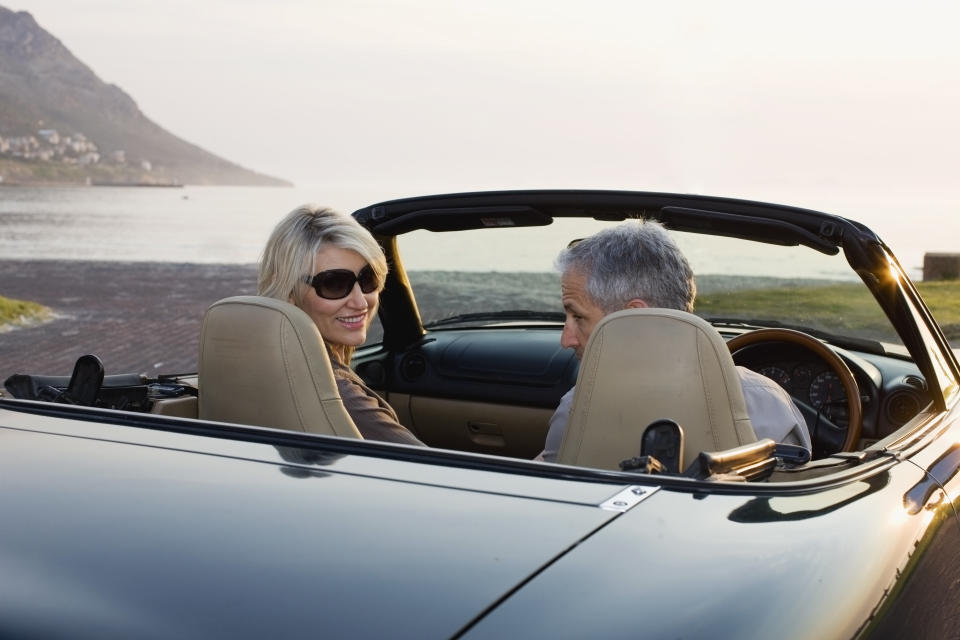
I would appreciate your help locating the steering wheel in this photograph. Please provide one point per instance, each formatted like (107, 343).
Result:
(836, 364)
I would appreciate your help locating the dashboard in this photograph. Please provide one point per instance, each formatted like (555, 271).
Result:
(892, 391)
(527, 367)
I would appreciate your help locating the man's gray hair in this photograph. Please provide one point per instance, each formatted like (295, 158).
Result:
(629, 261)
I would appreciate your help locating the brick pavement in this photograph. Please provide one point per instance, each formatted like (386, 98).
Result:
(137, 317)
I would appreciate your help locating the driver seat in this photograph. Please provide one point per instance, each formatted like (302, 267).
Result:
(263, 362)
(642, 365)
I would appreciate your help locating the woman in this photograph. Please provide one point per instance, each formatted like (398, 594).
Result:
(331, 267)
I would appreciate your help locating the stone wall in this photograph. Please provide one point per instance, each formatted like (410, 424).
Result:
(941, 266)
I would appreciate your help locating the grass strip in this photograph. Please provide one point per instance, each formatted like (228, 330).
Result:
(21, 312)
(847, 305)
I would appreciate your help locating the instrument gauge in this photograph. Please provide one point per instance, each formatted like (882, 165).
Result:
(829, 396)
(778, 375)
(802, 375)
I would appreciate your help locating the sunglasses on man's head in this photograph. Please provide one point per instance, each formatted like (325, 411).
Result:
(338, 283)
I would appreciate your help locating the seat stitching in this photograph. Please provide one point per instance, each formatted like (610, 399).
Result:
(588, 391)
(284, 351)
(706, 390)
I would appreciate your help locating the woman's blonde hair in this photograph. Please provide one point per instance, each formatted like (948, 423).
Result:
(291, 250)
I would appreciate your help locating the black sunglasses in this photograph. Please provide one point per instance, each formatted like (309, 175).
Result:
(338, 283)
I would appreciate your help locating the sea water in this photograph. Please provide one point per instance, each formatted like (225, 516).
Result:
(190, 224)
(231, 224)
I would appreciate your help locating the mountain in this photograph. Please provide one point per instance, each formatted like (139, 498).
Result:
(44, 87)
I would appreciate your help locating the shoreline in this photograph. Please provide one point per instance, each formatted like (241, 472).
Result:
(145, 317)
(138, 317)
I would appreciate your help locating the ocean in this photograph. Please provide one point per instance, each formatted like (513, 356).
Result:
(141, 224)
(230, 224)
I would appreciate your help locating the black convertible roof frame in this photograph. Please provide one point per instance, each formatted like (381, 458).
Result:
(777, 224)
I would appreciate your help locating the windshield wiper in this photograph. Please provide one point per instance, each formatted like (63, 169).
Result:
(847, 342)
(551, 316)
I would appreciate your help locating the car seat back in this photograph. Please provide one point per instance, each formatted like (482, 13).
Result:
(642, 365)
(263, 362)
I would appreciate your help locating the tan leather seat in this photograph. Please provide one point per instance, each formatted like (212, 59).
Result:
(642, 365)
(262, 362)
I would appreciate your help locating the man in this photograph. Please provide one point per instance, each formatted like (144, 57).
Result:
(636, 265)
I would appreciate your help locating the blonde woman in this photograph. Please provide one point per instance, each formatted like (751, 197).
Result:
(329, 266)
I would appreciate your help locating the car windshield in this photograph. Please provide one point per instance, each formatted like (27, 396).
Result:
(507, 274)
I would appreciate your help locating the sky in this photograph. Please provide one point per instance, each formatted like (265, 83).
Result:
(828, 105)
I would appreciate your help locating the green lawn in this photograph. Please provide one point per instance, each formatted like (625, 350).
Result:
(20, 311)
(833, 305)
(943, 298)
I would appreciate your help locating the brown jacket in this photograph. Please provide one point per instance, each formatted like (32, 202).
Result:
(375, 419)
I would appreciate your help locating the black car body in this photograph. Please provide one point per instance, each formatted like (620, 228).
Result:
(135, 524)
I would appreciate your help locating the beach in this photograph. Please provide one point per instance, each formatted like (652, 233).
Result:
(137, 317)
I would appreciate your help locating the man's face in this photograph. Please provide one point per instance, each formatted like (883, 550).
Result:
(582, 315)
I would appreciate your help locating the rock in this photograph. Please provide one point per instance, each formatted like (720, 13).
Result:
(941, 266)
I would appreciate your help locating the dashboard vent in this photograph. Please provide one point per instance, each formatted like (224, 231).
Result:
(902, 406)
(916, 382)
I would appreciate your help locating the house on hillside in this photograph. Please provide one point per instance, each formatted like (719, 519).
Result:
(50, 136)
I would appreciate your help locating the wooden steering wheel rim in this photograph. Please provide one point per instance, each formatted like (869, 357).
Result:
(837, 365)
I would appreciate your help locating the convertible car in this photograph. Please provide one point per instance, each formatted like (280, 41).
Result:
(237, 502)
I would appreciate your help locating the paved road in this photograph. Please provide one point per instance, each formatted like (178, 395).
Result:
(137, 317)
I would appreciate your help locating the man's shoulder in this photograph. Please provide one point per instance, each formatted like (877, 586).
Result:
(757, 386)
(750, 378)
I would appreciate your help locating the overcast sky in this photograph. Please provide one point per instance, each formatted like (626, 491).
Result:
(809, 103)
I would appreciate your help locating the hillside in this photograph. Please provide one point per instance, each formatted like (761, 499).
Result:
(47, 94)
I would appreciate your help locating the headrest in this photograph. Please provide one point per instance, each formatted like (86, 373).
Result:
(642, 365)
(263, 362)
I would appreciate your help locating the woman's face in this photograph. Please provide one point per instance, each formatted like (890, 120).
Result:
(344, 321)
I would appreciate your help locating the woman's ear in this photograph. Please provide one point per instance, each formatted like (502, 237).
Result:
(637, 303)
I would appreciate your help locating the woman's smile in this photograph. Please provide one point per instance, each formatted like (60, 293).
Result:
(354, 322)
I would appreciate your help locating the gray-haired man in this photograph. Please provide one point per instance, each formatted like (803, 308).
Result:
(635, 265)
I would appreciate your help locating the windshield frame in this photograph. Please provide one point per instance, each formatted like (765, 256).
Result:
(869, 259)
